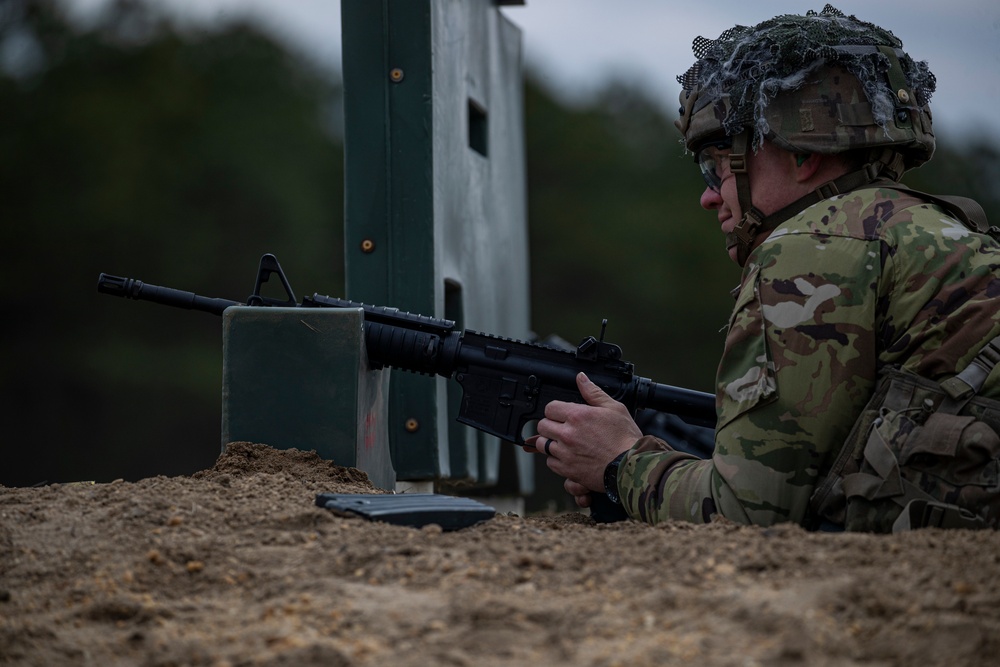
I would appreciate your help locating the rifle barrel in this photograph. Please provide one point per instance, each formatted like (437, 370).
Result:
(694, 407)
(129, 288)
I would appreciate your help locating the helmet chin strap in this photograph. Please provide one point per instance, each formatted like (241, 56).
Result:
(753, 221)
(885, 166)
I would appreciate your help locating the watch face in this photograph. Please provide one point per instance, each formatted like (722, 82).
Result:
(611, 479)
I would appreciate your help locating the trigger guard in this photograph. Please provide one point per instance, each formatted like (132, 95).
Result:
(523, 432)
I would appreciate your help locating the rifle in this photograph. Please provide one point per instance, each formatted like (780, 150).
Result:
(506, 383)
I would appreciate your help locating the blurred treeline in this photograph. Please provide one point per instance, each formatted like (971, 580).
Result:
(178, 157)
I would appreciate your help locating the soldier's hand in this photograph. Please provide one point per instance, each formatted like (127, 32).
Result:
(580, 493)
(581, 439)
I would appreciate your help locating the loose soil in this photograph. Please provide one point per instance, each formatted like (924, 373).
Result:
(236, 566)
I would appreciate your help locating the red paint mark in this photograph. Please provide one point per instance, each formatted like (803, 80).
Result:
(370, 425)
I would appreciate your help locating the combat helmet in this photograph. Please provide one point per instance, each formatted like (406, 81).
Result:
(819, 83)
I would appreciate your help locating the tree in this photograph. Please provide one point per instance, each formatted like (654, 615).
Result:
(132, 148)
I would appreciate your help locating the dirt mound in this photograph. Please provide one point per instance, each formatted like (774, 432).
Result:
(245, 458)
(236, 566)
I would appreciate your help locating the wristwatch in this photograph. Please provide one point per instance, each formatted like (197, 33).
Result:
(611, 479)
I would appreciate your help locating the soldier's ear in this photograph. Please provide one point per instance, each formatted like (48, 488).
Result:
(806, 165)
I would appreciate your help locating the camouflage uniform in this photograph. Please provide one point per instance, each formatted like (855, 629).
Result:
(869, 279)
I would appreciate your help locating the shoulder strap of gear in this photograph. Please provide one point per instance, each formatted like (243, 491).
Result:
(968, 211)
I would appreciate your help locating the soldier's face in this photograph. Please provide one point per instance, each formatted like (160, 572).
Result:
(773, 185)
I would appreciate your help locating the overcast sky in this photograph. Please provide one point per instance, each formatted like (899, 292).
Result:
(576, 45)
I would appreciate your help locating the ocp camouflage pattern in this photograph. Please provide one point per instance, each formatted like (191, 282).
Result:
(832, 115)
(868, 279)
(917, 443)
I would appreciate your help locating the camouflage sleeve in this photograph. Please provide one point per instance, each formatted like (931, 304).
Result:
(799, 363)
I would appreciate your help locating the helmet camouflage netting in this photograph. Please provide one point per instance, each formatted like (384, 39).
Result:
(748, 67)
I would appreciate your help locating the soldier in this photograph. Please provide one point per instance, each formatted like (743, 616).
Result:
(861, 302)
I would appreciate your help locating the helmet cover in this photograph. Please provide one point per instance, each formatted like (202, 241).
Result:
(823, 82)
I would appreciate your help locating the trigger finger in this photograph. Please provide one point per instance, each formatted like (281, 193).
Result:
(556, 411)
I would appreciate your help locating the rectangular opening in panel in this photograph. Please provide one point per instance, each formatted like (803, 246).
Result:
(478, 133)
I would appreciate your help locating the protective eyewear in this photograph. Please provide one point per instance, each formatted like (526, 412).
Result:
(709, 158)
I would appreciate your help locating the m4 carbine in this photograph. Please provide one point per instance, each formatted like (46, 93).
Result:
(506, 383)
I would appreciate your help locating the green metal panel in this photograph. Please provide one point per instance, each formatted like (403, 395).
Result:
(389, 233)
(435, 196)
(299, 378)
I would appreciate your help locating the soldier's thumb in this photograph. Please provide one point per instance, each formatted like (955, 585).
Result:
(591, 393)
